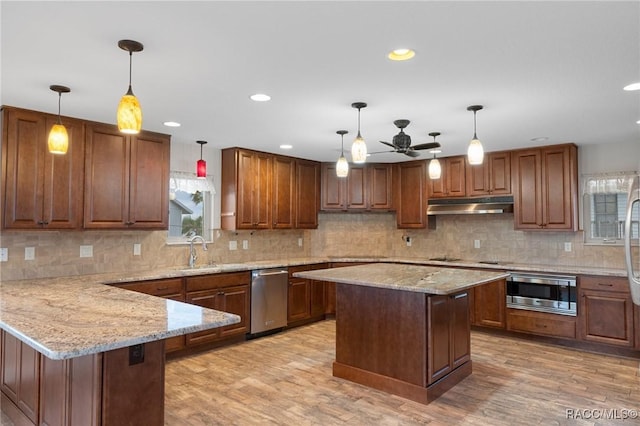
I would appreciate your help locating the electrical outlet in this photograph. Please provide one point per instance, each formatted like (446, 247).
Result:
(476, 243)
(86, 251)
(233, 245)
(408, 240)
(245, 245)
(4, 254)
(567, 246)
(299, 242)
(29, 253)
(137, 249)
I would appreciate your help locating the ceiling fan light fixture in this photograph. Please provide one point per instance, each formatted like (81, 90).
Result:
(359, 147)
(402, 54)
(475, 151)
(58, 141)
(129, 114)
(342, 165)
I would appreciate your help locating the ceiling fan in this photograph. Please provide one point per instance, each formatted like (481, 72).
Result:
(402, 142)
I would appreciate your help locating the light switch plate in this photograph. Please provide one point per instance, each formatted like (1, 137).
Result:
(299, 242)
(137, 249)
(567, 246)
(233, 245)
(4, 254)
(476, 243)
(245, 245)
(29, 253)
(86, 251)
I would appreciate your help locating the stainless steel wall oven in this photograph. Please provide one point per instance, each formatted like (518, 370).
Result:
(542, 292)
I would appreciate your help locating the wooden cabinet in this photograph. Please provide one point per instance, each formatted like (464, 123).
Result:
(224, 292)
(490, 303)
(605, 310)
(541, 323)
(366, 188)
(492, 177)
(283, 211)
(545, 185)
(307, 194)
(126, 179)
(41, 190)
(452, 181)
(410, 194)
(171, 288)
(449, 344)
(20, 375)
(306, 298)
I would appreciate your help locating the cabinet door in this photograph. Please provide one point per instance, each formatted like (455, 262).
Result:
(607, 317)
(490, 304)
(439, 345)
(317, 295)
(21, 375)
(253, 190)
(380, 184)
(410, 194)
(527, 190)
(149, 181)
(307, 194)
(333, 188)
(262, 193)
(357, 188)
(460, 329)
(559, 175)
(299, 307)
(492, 177)
(235, 300)
(283, 213)
(208, 299)
(455, 176)
(330, 298)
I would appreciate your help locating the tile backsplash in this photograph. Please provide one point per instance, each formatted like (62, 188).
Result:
(338, 234)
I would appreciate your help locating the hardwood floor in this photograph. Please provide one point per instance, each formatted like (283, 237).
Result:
(285, 379)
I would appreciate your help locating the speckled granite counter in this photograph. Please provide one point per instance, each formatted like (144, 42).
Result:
(69, 317)
(417, 278)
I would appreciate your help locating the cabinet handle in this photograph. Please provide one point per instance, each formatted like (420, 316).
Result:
(129, 223)
(605, 284)
(162, 288)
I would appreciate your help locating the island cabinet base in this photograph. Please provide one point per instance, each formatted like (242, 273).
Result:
(407, 343)
(119, 387)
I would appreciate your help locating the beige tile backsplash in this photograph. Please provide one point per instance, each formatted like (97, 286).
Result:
(339, 234)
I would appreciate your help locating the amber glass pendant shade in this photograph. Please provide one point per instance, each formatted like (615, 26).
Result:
(58, 141)
(129, 114)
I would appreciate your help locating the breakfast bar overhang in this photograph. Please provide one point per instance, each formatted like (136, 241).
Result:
(403, 329)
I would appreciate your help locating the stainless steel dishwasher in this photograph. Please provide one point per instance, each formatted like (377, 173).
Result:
(268, 300)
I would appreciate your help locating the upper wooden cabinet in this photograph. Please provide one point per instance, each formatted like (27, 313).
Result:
(452, 179)
(259, 191)
(410, 193)
(492, 177)
(126, 179)
(367, 187)
(545, 185)
(307, 194)
(41, 190)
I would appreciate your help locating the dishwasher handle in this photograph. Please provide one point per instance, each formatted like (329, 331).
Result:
(269, 273)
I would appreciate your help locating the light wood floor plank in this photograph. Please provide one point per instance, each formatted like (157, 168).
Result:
(285, 379)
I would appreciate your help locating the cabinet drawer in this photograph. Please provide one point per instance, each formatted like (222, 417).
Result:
(604, 283)
(169, 287)
(300, 268)
(208, 282)
(541, 323)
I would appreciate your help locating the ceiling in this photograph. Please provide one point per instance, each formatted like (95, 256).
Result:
(541, 69)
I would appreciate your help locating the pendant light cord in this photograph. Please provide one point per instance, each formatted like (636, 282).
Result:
(130, 92)
(59, 100)
(475, 136)
(359, 123)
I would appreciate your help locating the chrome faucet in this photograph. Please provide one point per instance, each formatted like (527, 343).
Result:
(192, 251)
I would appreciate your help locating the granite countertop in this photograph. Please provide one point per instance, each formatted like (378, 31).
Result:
(422, 279)
(69, 317)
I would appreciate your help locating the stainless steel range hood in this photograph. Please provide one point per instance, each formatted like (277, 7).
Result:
(485, 205)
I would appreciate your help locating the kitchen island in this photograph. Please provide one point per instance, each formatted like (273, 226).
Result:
(77, 352)
(403, 329)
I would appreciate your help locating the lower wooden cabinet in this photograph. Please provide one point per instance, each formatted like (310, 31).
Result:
(306, 298)
(606, 310)
(489, 304)
(541, 323)
(20, 375)
(224, 292)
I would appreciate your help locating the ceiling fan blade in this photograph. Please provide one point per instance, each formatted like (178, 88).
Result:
(429, 145)
(381, 152)
(388, 144)
(412, 153)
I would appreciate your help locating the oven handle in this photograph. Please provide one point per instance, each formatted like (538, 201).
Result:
(565, 282)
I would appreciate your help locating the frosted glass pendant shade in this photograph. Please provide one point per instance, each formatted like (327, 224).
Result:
(475, 152)
(58, 141)
(435, 170)
(342, 167)
(129, 115)
(359, 150)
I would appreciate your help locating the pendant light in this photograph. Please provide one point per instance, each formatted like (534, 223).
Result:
(58, 141)
(359, 147)
(342, 165)
(435, 170)
(129, 115)
(201, 165)
(475, 152)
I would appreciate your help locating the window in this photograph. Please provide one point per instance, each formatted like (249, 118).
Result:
(190, 207)
(605, 208)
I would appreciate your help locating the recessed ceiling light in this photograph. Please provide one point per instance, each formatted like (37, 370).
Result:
(540, 139)
(638, 122)
(171, 124)
(401, 54)
(260, 97)
(286, 146)
(632, 86)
